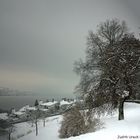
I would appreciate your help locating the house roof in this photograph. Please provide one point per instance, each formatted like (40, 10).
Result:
(49, 103)
(31, 108)
(65, 102)
(18, 113)
(23, 109)
(3, 116)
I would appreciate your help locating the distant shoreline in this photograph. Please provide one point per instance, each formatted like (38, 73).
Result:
(12, 92)
(18, 95)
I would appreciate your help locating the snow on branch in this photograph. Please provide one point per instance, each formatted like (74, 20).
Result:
(108, 79)
(135, 66)
(124, 94)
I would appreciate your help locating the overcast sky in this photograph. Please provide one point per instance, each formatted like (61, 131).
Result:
(41, 39)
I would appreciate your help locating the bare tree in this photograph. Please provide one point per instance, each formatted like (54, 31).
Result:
(120, 64)
(10, 130)
(107, 34)
(43, 116)
(34, 118)
(99, 82)
(8, 127)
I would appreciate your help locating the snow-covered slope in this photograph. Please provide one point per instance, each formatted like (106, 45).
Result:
(112, 128)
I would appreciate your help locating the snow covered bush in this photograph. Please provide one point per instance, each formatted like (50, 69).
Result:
(73, 124)
(76, 122)
(92, 123)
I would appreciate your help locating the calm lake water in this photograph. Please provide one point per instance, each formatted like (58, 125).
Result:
(8, 102)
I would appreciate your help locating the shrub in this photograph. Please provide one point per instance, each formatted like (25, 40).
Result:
(92, 123)
(73, 124)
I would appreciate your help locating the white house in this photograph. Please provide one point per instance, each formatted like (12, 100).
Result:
(48, 105)
(52, 107)
(24, 108)
(64, 105)
(3, 116)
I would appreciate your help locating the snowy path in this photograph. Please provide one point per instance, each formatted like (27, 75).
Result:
(49, 132)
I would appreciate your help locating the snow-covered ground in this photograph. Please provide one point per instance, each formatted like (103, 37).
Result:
(112, 128)
(49, 132)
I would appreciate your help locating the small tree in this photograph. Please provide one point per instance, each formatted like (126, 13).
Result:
(36, 103)
(10, 130)
(34, 118)
(43, 116)
(8, 127)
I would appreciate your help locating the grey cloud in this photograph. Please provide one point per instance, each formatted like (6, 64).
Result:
(47, 36)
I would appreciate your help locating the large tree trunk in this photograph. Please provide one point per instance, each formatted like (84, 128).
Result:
(9, 136)
(36, 128)
(121, 109)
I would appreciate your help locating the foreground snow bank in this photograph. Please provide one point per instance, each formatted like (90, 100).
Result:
(112, 129)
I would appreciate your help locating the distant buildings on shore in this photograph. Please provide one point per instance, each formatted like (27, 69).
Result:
(48, 108)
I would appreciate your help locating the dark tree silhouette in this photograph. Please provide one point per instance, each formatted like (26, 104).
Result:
(102, 82)
(119, 78)
(36, 103)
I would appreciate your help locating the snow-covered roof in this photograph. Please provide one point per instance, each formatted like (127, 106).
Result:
(65, 102)
(31, 108)
(3, 116)
(40, 102)
(81, 101)
(44, 109)
(18, 113)
(49, 103)
(23, 109)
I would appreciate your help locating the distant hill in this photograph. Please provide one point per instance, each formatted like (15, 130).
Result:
(12, 92)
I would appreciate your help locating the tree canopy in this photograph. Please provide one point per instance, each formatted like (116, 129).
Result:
(108, 75)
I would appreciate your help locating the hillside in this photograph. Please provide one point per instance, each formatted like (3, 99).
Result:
(112, 128)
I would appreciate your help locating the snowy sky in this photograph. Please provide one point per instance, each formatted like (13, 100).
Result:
(41, 39)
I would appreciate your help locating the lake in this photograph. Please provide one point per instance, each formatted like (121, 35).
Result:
(8, 102)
